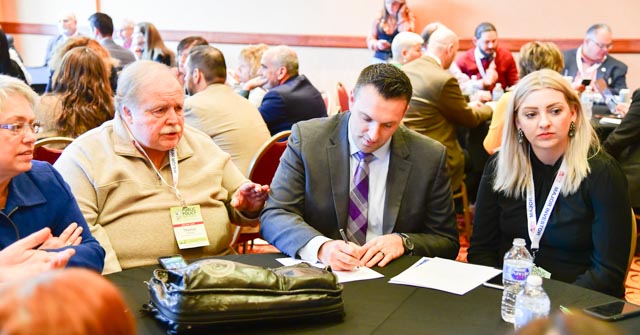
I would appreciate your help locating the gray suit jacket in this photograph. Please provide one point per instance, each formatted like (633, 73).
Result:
(124, 56)
(310, 191)
(613, 71)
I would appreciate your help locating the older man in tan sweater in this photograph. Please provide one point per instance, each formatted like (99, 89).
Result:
(148, 186)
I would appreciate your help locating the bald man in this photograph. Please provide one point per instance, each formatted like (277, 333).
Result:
(67, 27)
(437, 105)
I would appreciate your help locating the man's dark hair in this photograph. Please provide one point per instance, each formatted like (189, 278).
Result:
(102, 23)
(210, 61)
(483, 27)
(191, 41)
(389, 81)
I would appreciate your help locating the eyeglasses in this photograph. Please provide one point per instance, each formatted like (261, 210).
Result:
(602, 46)
(22, 128)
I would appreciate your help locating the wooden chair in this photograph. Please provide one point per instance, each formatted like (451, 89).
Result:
(50, 148)
(261, 170)
(343, 97)
(634, 240)
(466, 213)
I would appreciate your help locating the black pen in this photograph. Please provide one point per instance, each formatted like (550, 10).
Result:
(344, 238)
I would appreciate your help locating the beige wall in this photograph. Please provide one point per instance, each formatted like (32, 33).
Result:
(324, 66)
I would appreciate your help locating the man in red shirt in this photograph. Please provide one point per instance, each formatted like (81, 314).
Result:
(488, 62)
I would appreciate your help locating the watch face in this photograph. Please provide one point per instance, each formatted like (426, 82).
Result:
(408, 244)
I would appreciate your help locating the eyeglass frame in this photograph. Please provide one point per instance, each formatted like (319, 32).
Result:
(602, 46)
(19, 128)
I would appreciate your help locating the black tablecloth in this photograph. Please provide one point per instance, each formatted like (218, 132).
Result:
(377, 307)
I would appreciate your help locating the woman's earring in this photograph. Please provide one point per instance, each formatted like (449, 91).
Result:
(572, 129)
(520, 136)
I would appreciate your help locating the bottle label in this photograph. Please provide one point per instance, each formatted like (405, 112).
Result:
(515, 273)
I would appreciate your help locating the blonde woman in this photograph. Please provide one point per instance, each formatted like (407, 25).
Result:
(578, 223)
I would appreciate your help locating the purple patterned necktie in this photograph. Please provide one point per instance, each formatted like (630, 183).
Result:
(359, 199)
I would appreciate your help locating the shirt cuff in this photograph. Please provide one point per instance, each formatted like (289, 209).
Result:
(309, 252)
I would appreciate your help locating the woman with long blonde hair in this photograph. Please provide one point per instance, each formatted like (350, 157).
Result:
(552, 185)
(81, 98)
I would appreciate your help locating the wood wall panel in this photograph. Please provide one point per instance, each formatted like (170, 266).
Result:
(624, 46)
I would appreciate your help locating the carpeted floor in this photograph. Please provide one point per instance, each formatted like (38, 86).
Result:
(632, 283)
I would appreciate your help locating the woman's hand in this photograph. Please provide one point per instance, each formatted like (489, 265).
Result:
(71, 236)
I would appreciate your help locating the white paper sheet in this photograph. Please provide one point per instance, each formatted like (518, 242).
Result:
(445, 275)
(610, 120)
(362, 273)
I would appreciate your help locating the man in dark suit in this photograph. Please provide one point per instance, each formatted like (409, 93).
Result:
(624, 145)
(409, 208)
(592, 61)
(67, 27)
(102, 30)
(291, 97)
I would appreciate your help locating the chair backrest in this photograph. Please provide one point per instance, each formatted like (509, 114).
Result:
(43, 151)
(265, 163)
(343, 97)
(261, 170)
(634, 240)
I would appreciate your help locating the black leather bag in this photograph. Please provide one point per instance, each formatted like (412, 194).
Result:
(216, 292)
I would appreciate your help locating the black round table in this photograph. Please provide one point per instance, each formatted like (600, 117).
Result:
(377, 307)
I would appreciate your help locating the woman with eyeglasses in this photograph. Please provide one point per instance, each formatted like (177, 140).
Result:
(33, 195)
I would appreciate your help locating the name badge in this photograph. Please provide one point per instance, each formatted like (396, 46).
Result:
(541, 272)
(188, 227)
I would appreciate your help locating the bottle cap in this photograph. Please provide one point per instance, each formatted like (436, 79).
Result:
(534, 280)
(519, 242)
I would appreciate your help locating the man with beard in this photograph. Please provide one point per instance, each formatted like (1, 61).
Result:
(149, 186)
(490, 63)
(234, 123)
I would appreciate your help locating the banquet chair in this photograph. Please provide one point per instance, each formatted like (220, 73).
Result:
(50, 148)
(634, 241)
(261, 170)
(466, 213)
(343, 97)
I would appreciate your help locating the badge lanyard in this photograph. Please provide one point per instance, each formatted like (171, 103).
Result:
(591, 70)
(481, 69)
(537, 229)
(173, 162)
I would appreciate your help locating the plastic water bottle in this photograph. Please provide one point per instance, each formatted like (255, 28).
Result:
(532, 302)
(498, 91)
(517, 266)
(586, 100)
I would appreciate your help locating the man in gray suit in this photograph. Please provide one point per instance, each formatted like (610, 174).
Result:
(592, 61)
(102, 30)
(409, 208)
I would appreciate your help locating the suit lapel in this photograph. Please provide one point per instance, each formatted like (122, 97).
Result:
(397, 179)
(338, 158)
